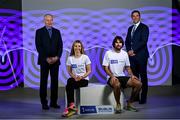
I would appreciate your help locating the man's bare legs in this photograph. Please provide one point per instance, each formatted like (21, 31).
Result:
(136, 87)
(117, 93)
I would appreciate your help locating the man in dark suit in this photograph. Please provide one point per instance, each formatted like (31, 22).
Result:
(136, 46)
(49, 46)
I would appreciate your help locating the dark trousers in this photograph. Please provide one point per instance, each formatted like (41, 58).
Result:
(71, 86)
(44, 71)
(139, 69)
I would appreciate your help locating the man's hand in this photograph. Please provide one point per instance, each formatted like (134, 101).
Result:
(131, 53)
(113, 80)
(49, 60)
(52, 60)
(134, 77)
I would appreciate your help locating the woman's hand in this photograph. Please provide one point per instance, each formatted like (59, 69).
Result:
(78, 78)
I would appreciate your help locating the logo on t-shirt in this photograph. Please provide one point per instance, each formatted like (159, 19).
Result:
(74, 66)
(114, 62)
(80, 69)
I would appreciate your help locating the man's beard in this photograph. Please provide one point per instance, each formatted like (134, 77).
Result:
(117, 48)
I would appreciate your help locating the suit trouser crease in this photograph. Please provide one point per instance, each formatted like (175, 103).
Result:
(139, 69)
(54, 70)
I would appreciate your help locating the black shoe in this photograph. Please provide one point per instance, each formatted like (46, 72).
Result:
(45, 107)
(55, 106)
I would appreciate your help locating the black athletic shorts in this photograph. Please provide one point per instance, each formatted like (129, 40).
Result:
(122, 79)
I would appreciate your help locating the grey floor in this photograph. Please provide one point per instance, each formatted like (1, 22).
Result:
(23, 103)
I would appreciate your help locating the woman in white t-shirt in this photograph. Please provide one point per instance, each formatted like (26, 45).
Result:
(79, 67)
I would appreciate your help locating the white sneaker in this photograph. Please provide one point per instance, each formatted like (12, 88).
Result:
(118, 108)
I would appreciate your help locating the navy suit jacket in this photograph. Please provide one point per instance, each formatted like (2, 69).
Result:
(138, 43)
(46, 46)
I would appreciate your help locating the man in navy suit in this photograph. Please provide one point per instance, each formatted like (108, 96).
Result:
(136, 46)
(49, 46)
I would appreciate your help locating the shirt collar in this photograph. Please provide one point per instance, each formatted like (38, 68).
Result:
(48, 28)
(137, 24)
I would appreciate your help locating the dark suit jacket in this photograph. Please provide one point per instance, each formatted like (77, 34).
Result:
(138, 42)
(46, 46)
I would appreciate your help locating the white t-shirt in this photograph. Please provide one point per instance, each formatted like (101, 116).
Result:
(116, 62)
(78, 65)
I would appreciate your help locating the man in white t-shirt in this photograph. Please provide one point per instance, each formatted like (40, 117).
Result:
(114, 62)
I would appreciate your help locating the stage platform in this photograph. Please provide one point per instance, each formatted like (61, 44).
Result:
(23, 103)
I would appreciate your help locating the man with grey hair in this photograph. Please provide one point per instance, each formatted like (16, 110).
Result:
(49, 46)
